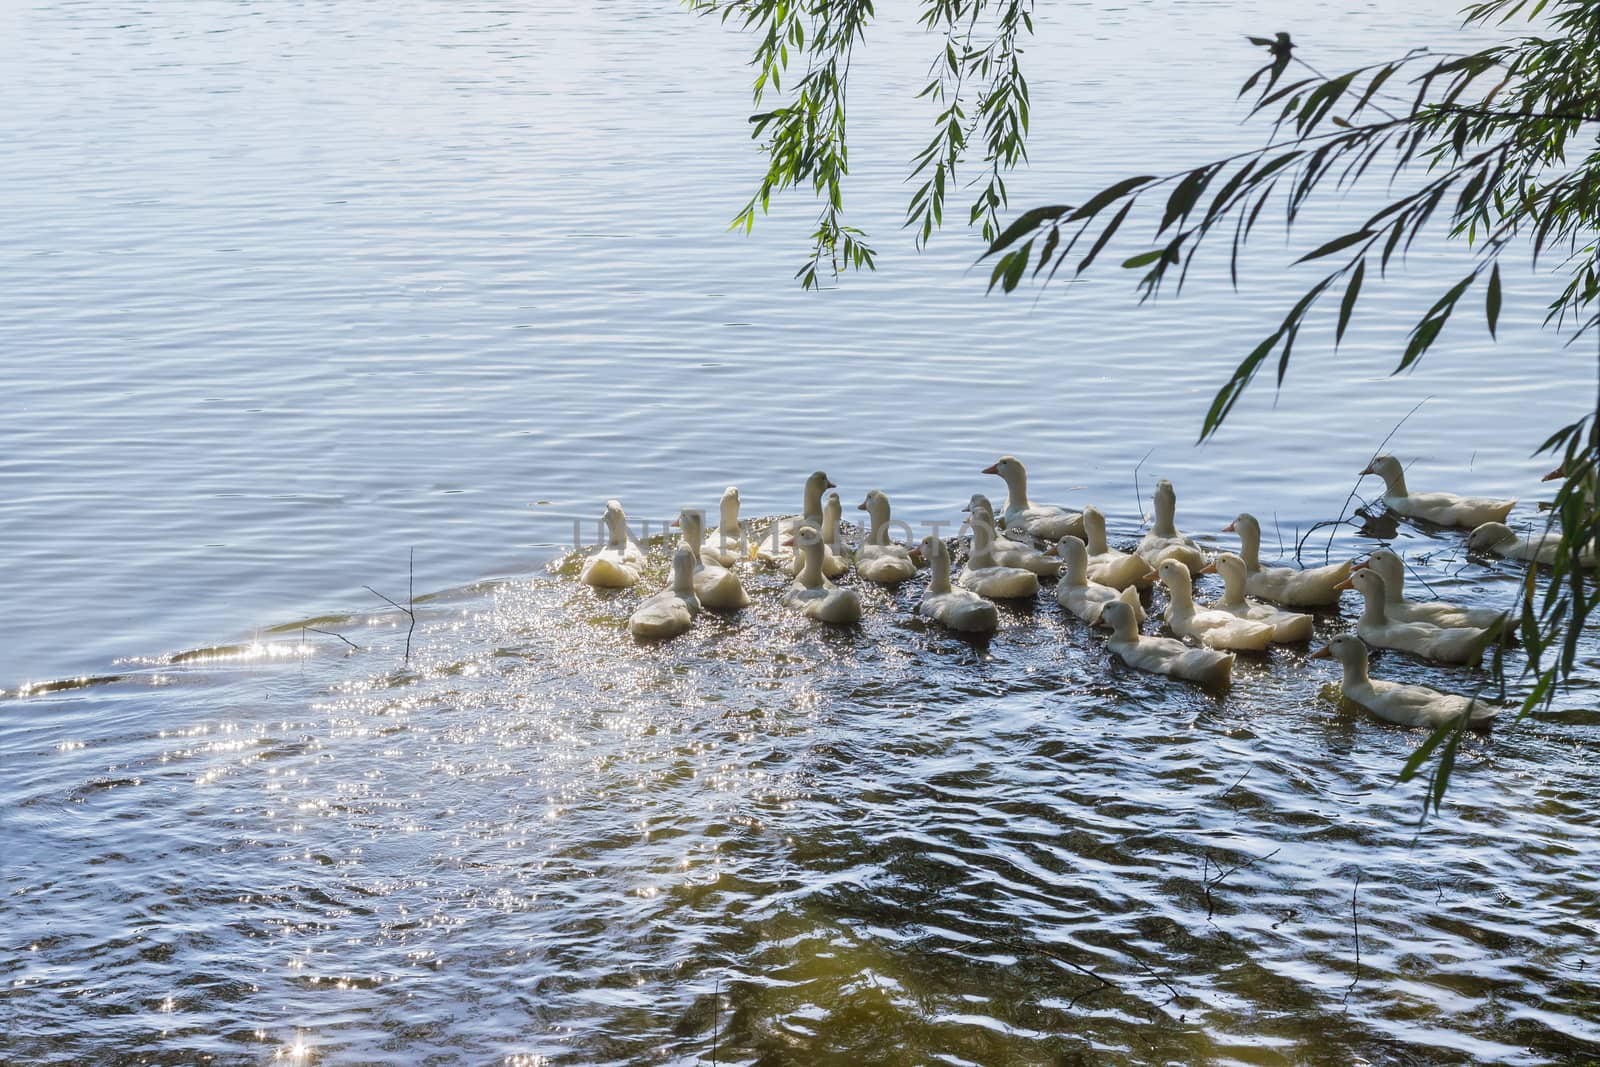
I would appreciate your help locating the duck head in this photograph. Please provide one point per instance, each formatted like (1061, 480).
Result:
(1487, 536)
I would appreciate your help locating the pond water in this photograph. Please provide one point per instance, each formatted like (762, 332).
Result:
(305, 298)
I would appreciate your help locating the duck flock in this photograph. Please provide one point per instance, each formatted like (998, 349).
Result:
(1097, 583)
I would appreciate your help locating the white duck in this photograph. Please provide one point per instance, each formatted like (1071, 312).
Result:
(1011, 554)
(979, 504)
(1037, 520)
(1107, 565)
(671, 611)
(1164, 542)
(1454, 644)
(1445, 509)
(772, 548)
(1084, 598)
(1216, 629)
(717, 587)
(959, 609)
(835, 554)
(1500, 539)
(811, 593)
(616, 566)
(1163, 655)
(1287, 626)
(984, 575)
(1406, 705)
(1436, 612)
(880, 559)
(1312, 587)
(727, 544)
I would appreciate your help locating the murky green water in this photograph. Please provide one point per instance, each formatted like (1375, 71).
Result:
(295, 290)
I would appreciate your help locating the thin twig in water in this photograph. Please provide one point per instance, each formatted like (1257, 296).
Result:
(1105, 983)
(410, 607)
(330, 633)
(1355, 925)
(1138, 494)
(716, 1019)
(1219, 879)
(1236, 782)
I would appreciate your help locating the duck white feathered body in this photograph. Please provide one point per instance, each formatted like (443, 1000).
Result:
(1215, 629)
(1453, 644)
(1163, 655)
(1289, 586)
(1501, 540)
(1434, 612)
(717, 587)
(958, 609)
(1037, 520)
(1084, 598)
(1009, 554)
(835, 555)
(616, 565)
(1288, 627)
(879, 559)
(727, 544)
(811, 593)
(1107, 566)
(671, 611)
(1445, 509)
(1405, 705)
(986, 577)
(1164, 541)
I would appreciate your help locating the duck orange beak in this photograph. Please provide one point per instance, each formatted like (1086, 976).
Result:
(1209, 568)
(1348, 583)
(1367, 470)
(787, 542)
(830, 484)
(1325, 652)
(1360, 565)
(1558, 473)
(1152, 576)
(1228, 528)
(990, 469)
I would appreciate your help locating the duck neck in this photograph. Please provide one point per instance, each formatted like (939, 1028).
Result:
(879, 516)
(1394, 480)
(1182, 596)
(830, 526)
(693, 534)
(1372, 613)
(1094, 525)
(810, 574)
(1355, 671)
(982, 554)
(617, 530)
(811, 503)
(939, 571)
(1166, 515)
(1394, 580)
(1074, 569)
(1016, 489)
(1249, 545)
(1124, 627)
(728, 522)
(683, 576)
(1233, 583)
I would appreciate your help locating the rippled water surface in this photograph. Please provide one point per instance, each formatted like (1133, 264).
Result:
(296, 291)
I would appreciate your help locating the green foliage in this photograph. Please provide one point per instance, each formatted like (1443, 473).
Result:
(975, 87)
(1499, 145)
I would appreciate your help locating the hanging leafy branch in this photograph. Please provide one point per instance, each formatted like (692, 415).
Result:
(975, 83)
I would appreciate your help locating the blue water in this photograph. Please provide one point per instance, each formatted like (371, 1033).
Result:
(298, 293)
